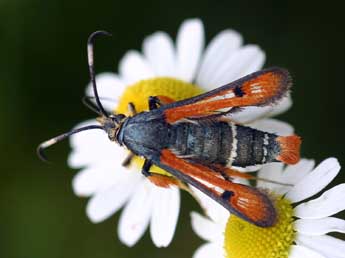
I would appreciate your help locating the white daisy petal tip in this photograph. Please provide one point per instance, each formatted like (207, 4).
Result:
(328, 204)
(232, 35)
(218, 51)
(93, 215)
(199, 222)
(189, 47)
(165, 211)
(79, 187)
(328, 246)
(159, 50)
(206, 228)
(98, 210)
(315, 181)
(193, 22)
(136, 215)
(243, 61)
(318, 227)
(134, 67)
(254, 57)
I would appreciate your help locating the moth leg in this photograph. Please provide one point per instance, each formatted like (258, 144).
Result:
(156, 101)
(131, 109)
(158, 179)
(145, 170)
(127, 161)
(164, 181)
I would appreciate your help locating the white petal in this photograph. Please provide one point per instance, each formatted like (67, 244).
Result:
(213, 209)
(247, 169)
(315, 181)
(218, 51)
(166, 208)
(80, 141)
(107, 202)
(133, 67)
(252, 61)
(94, 147)
(96, 178)
(110, 87)
(328, 246)
(160, 53)
(282, 106)
(329, 203)
(294, 173)
(136, 215)
(291, 175)
(273, 126)
(298, 251)
(206, 229)
(316, 227)
(271, 171)
(190, 43)
(252, 114)
(248, 59)
(210, 250)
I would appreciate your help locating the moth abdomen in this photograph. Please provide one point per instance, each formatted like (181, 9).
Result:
(229, 144)
(209, 141)
(255, 147)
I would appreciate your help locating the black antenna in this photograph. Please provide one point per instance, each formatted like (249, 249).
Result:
(86, 100)
(90, 105)
(59, 138)
(90, 43)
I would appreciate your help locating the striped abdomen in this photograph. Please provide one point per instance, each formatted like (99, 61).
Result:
(223, 143)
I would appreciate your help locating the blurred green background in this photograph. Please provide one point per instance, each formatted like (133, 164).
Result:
(43, 76)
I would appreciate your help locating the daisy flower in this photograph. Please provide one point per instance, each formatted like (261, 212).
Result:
(178, 70)
(302, 227)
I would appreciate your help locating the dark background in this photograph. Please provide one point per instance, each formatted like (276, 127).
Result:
(43, 75)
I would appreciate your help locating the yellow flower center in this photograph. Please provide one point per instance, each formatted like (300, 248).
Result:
(245, 240)
(139, 93)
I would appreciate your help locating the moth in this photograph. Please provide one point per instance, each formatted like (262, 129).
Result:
(196, 141)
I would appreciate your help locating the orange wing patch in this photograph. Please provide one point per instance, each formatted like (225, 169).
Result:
(258, 89)
(164, 100)
(243, 201)
(162, 180)
(252, 203)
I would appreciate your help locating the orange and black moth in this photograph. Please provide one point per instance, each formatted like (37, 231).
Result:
(198, 143)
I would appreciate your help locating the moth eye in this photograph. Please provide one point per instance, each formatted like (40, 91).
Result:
(118, 118)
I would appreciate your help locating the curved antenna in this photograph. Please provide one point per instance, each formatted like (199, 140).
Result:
(59, 138)
(90, 58)
(86, 100)
(90, 105)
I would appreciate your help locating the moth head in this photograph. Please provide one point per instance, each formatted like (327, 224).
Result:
(112, 124)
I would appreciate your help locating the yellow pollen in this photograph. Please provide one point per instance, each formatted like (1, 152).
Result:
(139, 93)
(245, 240)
